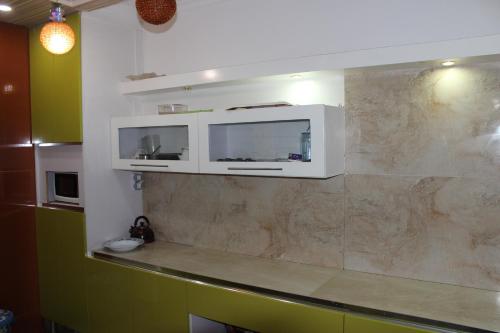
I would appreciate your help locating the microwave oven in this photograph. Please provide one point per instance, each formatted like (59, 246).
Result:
(63, 187)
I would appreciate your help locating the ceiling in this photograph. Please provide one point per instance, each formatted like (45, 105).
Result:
(33, 12)
(26, 12)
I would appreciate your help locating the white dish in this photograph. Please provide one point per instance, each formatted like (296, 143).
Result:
(123, 244)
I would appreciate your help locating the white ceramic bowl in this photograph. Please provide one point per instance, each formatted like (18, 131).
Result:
(123, 244)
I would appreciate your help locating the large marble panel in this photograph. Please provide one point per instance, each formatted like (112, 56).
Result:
(466, 306)
(298, 220)
(424, 121)
(472, 96)
(442, 229)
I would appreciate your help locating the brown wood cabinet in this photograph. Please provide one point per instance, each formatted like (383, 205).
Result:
(18, 280)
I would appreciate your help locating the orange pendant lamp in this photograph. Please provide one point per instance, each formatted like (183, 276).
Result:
(57, 37)
(156, 12)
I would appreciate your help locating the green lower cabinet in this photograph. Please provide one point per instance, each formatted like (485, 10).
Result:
(61, 266)
(360, 324)
(123, 299)
(260, 313)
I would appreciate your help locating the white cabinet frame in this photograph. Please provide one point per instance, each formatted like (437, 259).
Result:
(188, 166)
(327, 142)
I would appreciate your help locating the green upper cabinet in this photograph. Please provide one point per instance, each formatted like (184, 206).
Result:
(260, 313)
(56, 93)
(129, 300)
(360, 324)
(61, 254)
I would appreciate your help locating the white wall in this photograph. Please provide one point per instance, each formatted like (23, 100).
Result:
(211, 34)
(108, 55)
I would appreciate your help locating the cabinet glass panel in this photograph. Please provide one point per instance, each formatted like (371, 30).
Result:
(272, 141)
(154, 143)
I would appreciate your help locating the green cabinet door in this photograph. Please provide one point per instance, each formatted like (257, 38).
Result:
(259, 313)
(56, 101)
(360, 324)
(61, 266)
(122, 299)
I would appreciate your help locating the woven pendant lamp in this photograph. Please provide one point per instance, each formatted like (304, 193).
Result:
(156, 11)
(57, 37)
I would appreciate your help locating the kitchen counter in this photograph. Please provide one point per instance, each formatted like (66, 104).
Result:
(428, 303)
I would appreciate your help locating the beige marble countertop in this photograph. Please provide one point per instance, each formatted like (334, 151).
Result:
(469, 307)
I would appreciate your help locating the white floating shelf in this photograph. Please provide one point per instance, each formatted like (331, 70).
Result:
(220, 75)
(335, 61)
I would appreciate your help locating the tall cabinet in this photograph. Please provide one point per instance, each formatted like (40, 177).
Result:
(56, 117)
(56, 92)
(18, 277)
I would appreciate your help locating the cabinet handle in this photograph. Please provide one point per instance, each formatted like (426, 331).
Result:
(149, 165)
(256, 169)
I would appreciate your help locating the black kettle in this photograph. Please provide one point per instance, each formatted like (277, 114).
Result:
(143, 230)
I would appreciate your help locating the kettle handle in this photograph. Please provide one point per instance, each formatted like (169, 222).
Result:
(141, 218)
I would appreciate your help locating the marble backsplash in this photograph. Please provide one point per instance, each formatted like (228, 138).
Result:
(296, 220)
(420, 198)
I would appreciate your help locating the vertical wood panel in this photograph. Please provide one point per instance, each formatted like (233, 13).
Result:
(18, 281)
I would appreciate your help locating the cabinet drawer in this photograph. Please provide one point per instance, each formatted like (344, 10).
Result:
(61, 254)
(260, 313)
(359, 324)
(128, 300)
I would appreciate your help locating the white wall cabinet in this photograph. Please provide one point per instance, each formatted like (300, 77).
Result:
(259, 141)
(254, 142)
(167, 143)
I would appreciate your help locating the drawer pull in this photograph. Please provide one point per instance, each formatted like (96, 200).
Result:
(149, 165)
(255, 169)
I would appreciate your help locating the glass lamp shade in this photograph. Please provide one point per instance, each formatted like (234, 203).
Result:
(57, 37)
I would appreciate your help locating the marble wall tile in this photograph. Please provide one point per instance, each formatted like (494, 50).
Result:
(424, 122)
(443, 229)
(390, 128)
(298, 220)
(176, 204)
(472, 96)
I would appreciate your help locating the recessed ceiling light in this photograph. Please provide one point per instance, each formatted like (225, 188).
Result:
(211, 74)
(5, 8)
(448, 63)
